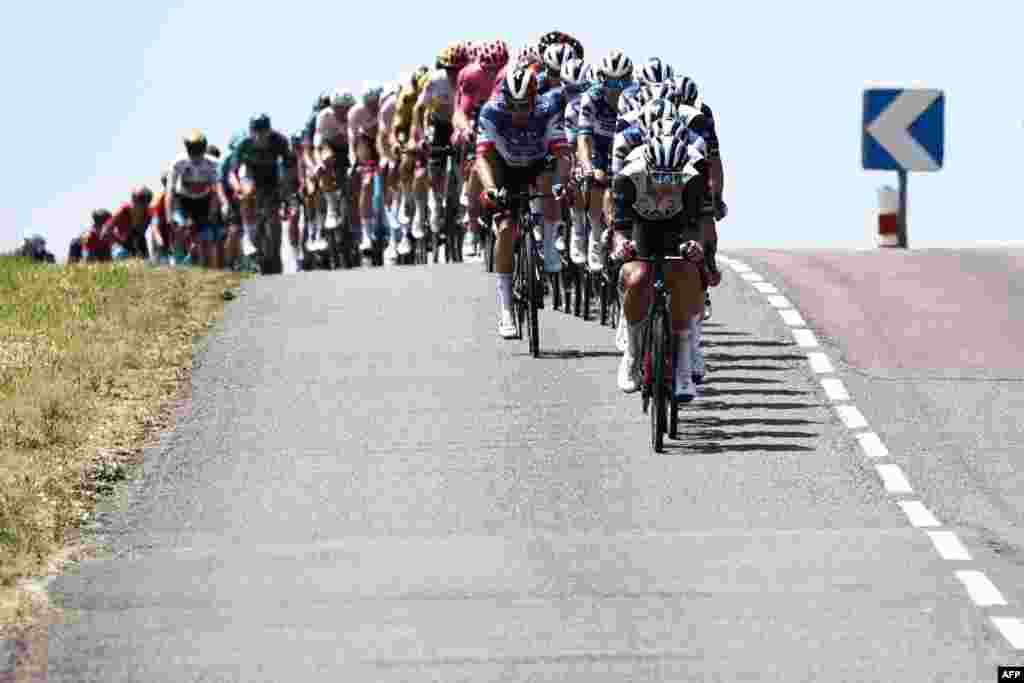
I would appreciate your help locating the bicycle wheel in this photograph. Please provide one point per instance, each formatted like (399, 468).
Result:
(673, 414)
(660, 342)
(533, 290)
(588, 288)
(519, 289)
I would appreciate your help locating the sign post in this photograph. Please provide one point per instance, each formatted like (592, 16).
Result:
(903, 130)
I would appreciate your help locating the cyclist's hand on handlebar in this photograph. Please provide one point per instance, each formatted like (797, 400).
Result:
(559, 190)
(692, 251)
(491, 198)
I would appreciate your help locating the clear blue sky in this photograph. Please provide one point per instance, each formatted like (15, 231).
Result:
(98, 95)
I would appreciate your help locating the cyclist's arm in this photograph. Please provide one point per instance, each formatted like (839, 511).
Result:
(171, 200)
(585, 137)
(623, 198)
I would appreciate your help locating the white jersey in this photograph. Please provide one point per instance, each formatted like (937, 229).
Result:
(193, 179)
(437, 96)
(648, 204)
(329, 128)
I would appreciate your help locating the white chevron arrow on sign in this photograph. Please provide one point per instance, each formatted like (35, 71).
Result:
(891, 129)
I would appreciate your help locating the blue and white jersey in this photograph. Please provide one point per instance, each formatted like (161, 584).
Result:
(573, 102)
(627, 120)
(597, 117)
(525, 144)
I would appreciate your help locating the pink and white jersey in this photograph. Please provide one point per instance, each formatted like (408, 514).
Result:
(361, 121)
(329, 128)
(387, 107)
(473, 89)
(437, 97)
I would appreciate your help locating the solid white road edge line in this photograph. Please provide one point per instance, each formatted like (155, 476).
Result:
(1012, 629)
(851, 417)
(766, 288)
(792, 317)
(805, 338)
(779, 301)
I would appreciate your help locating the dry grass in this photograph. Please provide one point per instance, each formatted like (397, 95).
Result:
(90, 358)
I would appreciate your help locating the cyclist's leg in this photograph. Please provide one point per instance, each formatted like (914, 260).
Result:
(601, 159)
(436, 167)
(635, 286)
(406, 177)
(504, 250)
(552, 223)
(421, 187)
(578, 242)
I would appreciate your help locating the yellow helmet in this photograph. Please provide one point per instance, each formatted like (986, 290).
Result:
(195, 142)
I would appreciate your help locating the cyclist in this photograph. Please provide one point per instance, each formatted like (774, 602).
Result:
(558, 38)
(651, 72)
(256, 163)
(328, 158)
(161, 235)
(193, 201)
(476, 83)
(555, 56)
(575, 83)
(598, 115)
(363, 121)
(127, 227)
(412, 165)
(95, 242)
(389, 168)
(662, 198)
(517, 132)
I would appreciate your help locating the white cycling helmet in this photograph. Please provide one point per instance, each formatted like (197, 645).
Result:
(675, 128)
(371, 90)
(520, 84)
(687, 90)
(574, 72)
(555, 56)
(342, 98)
(665, 153)
(656, 91)
(615, 65)
(528, 54)
(628, 102)
(656, 110)
(655, 71)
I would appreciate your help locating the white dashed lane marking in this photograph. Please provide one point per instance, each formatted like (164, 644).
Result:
(792, 317)
(851, 417)
(918, 514)
(779, 301)
(1012, 629)
(820, 362)
(835, 390)
(805, 338)
(894, 479)
(948, 545)
(980, 589)
(872, 445)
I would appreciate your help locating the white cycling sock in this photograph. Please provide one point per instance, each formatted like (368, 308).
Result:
(504, 281)
(579, 225)
(683, 361)
(421, 209)
(636, 334)
(597, 228)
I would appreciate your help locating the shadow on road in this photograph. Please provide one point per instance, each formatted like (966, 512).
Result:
(723, 379)
(711, 391)
(774, 344)
(575, 353)
(722, 405)
(710, 421)
(756, 356)
(708, 448)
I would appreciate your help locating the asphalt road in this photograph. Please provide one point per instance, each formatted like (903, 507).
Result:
(368, 484)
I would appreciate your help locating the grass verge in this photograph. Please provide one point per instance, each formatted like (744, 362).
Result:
(91, 357)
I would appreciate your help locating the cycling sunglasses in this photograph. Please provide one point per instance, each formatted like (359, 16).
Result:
(617, 83)
(663, 178)
(520, 107)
